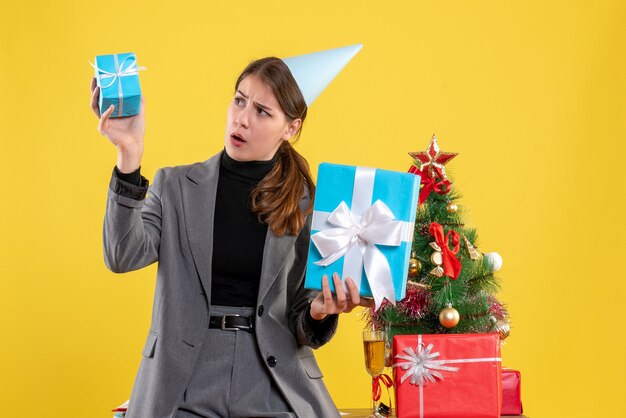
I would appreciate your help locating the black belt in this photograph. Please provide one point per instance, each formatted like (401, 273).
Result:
(231, 323)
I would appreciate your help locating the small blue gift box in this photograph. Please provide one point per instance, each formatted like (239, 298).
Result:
(362, 228)
(118, 79)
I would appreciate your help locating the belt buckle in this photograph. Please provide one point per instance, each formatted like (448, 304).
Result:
(224, 327)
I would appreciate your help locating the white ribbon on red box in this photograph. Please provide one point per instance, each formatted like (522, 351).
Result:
(422, 366)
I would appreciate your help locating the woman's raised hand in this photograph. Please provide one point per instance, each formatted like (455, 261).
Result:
(325, 303)
(125, 133)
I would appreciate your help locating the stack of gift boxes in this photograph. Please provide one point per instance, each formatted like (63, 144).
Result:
(362, 227)
(453, 375)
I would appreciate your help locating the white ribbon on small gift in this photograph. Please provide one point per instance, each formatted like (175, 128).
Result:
(120, 71)
(356, 234)
(422, 366)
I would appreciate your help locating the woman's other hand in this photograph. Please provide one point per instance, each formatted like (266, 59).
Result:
(325, 303)
(126, 133)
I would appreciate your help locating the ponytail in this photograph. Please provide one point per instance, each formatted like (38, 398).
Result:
(276, 198)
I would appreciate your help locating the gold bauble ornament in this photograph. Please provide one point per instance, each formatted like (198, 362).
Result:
(502, 328)
(414, 267)
(452, 207)
(449, 317)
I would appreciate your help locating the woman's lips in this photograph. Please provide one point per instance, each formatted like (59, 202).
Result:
(237, 140)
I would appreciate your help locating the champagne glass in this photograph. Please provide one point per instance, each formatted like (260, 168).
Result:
(374, 350)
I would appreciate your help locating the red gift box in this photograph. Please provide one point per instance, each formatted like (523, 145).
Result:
(447, 375)
(511, 392)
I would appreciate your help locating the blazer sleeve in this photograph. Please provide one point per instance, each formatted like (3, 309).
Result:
(132, 223)
(308, 331)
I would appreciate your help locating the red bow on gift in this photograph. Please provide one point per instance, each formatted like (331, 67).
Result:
(376, 387)
(451, 264)
(429, 184)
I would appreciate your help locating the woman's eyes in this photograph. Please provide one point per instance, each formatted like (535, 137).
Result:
(239, 101)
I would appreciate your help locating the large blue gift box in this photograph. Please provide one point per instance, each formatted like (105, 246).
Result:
(118, 79)
(362, 227)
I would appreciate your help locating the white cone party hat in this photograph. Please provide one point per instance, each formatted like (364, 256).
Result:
(313, 72)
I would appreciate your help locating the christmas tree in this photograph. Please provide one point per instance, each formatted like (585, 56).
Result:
(451, 285)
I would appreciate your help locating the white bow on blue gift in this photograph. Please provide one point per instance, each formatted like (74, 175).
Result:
(120, 71)
(377, 226)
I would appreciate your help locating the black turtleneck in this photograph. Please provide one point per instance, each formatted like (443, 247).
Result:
(238, 236)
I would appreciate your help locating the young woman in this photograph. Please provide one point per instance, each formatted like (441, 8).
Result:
(232, 326)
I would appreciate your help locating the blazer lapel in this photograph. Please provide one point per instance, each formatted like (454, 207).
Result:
(274, 257)
(199, 191)
(275, 254)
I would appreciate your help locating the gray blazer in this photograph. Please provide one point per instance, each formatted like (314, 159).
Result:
(174, 226)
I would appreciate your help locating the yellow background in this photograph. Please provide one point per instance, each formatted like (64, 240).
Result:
(532, 94)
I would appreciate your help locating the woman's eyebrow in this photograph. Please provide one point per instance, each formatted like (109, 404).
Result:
(261, 105)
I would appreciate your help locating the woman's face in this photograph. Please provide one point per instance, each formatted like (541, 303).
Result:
(255, 123)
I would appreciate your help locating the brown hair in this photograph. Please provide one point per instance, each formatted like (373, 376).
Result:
(276, 198)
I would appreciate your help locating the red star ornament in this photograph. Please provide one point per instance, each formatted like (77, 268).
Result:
(432, 160)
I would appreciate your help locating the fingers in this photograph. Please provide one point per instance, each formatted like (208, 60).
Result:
(341, 294)
(342, 301)
(105, 118)
(328, 296)
(354, 291)
(95, 96)
(93, 84)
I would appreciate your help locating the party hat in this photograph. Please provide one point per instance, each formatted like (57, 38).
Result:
(314, 71)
